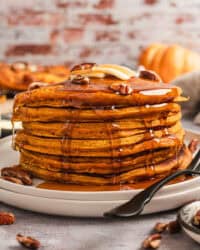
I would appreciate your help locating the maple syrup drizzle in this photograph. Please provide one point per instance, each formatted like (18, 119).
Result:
(119, 149)
(95, 188)
(108, 128)
(66, 142)
(115, 145)
(149, 166)
(13, 133)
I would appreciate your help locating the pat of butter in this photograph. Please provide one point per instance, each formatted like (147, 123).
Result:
(155, 105)
(120, 72)
(155, 92)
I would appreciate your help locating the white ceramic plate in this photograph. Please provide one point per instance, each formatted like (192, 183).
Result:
(85, 203)
(79, 208)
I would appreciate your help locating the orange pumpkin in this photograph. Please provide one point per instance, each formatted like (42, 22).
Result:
(169, 61)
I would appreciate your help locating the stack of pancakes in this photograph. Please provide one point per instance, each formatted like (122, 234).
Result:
(103, 126)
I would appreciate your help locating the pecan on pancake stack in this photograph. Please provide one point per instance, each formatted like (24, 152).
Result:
(103, 126)
(19, 75)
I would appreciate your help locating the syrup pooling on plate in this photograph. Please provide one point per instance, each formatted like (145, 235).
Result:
(89, 188)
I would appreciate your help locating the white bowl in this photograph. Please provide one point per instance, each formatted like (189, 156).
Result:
(185, 217)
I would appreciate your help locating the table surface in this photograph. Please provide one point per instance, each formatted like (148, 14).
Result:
(64, 233)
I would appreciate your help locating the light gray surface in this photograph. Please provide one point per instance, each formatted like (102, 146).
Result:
(62, 233)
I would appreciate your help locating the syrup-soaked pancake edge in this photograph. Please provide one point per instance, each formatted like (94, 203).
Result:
(95, 148)
(47, 114)
(99, 130)
(94, 165)
(181, 161)
(98, 93)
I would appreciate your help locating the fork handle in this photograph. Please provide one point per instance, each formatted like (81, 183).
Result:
(144, 197)
(149, 192)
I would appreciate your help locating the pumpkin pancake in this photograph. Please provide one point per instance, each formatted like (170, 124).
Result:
(100, 148)
(94, 165)
(44, 114)
(98, 93)
(99, 130)
(19, 75)
(179, 161)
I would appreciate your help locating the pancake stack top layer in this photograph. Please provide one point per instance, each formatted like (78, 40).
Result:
(19, 75)
(105, 125)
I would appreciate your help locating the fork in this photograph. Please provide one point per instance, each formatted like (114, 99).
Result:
(136, 205)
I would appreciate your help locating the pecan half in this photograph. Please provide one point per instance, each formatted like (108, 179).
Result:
(37, 85)
(153, 241)
(121, 88)
(28, 241)
(17, 173)
(12, 179)
(173, 227)
(196, 219)
(6, 218)
(83, 66)
(149, 75)
(79, 79)
(193, 145)
(160, 227)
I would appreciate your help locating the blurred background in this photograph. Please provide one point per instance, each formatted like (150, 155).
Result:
(62, 33)
(73, 31)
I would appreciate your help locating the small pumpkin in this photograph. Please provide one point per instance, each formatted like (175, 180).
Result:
(169, 61)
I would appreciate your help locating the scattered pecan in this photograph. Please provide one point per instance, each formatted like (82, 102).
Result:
(6, 218)
(173, 227)
(196, 219)
(15, 172)
(122, 88)
(153, 241)
(79, 79)
(193, 145)
(149, 75)
(37, 85)
(160, 227)
(12, 179)
(83, 66)
(28, 241)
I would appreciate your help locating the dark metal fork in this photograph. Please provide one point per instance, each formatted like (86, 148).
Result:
(136, 205)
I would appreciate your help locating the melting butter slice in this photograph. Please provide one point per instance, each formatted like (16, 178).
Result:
(155, 92)
(118, 71)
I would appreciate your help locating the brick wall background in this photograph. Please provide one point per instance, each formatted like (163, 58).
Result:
(72, 31)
